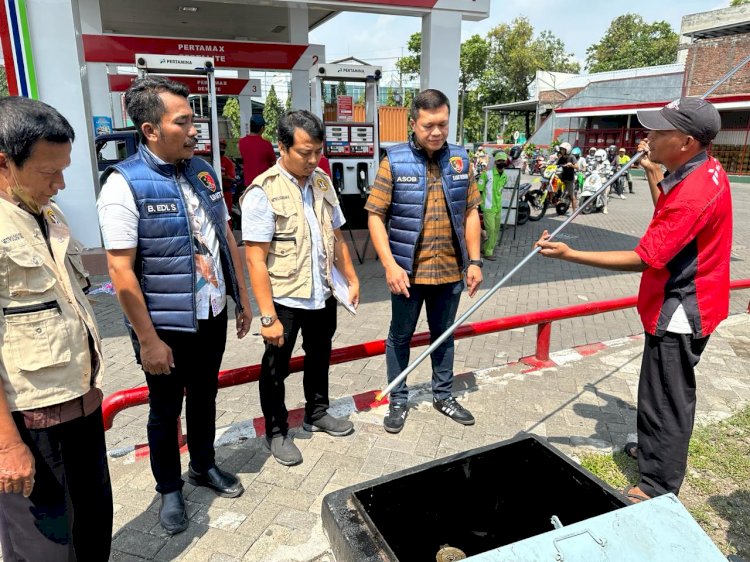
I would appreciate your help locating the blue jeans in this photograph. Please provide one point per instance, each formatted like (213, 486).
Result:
(441, 302)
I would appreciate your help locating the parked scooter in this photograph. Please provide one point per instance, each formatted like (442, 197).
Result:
(594, 180)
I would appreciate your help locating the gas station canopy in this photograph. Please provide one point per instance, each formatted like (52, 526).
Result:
(201, 19)
(244, 19)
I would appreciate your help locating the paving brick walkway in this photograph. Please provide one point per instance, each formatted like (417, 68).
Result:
(584, 403)
(542, 284)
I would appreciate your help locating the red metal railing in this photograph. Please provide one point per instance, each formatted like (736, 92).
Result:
(543, 319)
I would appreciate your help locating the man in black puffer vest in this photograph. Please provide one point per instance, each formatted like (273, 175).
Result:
(426, 190)
(173, 261)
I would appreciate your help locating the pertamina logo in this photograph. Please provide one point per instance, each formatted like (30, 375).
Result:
(176, 61)
(206, 179)
(406, 179)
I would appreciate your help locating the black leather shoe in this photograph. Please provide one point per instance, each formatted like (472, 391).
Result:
(224, 484)
(172, 514)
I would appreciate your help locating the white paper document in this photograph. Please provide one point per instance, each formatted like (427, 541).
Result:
(341, 290)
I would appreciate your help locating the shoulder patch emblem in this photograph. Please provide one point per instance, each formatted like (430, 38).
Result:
(457, 163)
(321, 184)
(206, 179)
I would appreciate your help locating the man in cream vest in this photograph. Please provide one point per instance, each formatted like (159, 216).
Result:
(55, 491)
(291, 223)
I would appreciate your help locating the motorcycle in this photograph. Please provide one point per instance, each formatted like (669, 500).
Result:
(551, 192)
(524, 210)
(594, 180)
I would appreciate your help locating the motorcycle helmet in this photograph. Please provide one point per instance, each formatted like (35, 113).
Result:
(611, 149)
(600, 155)
(565, 146)
(576, 151)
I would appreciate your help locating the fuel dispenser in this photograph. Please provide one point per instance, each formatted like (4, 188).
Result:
(351, 131)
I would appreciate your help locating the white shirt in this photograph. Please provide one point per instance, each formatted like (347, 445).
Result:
(119, 217)
(679, 323)
(259, 225)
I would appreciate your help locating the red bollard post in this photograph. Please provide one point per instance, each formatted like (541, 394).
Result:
(543, 332)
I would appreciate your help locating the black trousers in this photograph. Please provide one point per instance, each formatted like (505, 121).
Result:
(666, 410)
(68, 516)
(318, 327)
(197, 358)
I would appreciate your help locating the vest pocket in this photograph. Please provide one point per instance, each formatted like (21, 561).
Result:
(81, 275)
(37, 340)
(26, 273)
(286, 221)
(282, 257)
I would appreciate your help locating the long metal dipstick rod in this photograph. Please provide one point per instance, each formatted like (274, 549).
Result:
(449, 332)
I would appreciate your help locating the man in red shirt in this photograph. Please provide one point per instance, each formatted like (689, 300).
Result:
(228, 175)
(325, 165)
(684, 294)
(257, 153)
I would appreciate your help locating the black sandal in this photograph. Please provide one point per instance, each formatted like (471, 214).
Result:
(631, 450)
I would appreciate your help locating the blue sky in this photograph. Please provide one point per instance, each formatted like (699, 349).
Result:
(380, 39)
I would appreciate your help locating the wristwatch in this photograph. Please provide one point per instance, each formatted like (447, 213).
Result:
(478, 263)
(267, 321)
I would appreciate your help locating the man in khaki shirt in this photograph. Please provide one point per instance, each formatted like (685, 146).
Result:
(55, 492)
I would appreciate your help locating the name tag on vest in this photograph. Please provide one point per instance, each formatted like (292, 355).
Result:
(157, 208)
(457, 177)
(216, 196)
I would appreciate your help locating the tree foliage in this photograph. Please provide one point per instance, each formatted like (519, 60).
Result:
(630, 42)
(390, 99)
(472, 67)
(408, 97)
(516, 55)
(410, 64)
(271, 113)
(739, 2)
(341, 89)
(232, 112)
(496, 69)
